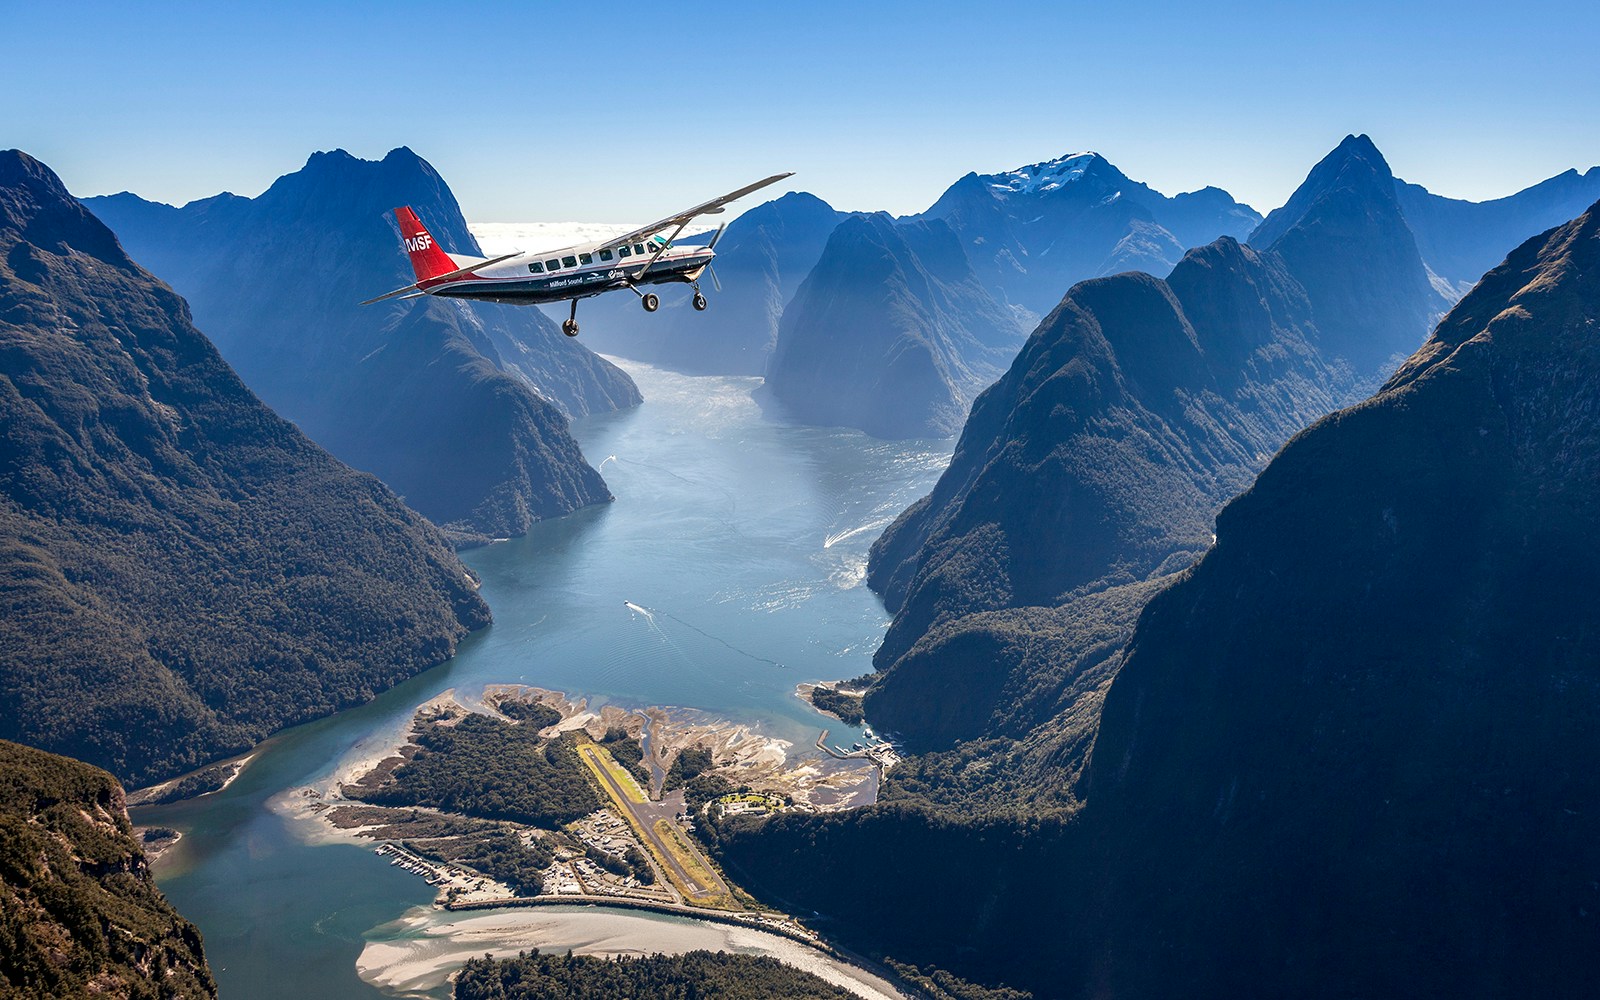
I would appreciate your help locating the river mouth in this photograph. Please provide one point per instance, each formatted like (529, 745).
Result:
(744, 539)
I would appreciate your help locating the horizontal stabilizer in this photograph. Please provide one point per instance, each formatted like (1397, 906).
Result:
(459, 272)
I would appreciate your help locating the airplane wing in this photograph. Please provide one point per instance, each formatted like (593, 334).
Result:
(683, 218)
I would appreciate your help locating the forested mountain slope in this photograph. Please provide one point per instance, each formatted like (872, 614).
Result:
(186, 572)
(79, 913)
(460, 408)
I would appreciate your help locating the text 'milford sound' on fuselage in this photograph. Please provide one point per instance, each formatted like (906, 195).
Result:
(645, 256)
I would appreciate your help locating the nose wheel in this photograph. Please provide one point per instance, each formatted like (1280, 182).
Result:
(651, 302)
(699, 302)
(569, 326)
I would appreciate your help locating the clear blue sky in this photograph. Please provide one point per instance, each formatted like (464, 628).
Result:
(551, 111)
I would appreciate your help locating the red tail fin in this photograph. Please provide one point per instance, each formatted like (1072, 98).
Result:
(426, 258)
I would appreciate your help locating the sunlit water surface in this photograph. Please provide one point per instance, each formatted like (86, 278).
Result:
(741, 543)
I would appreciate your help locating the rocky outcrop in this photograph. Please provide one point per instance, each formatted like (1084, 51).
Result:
(80, 915)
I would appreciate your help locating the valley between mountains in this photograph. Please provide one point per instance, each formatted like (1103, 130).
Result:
(1197, 601)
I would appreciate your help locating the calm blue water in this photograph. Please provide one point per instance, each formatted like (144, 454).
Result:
(743, 539)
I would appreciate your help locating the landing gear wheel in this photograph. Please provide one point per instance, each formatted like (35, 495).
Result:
(651, 302)
(569, 327)
(699, 302)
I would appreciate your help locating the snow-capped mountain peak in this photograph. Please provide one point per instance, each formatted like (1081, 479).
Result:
(1041, 177)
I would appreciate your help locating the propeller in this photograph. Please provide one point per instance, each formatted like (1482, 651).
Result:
(712, 246)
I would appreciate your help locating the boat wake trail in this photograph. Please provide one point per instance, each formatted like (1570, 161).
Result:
(829, 541)
(650, 616)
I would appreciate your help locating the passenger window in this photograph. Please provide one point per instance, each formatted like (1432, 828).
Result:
(638, 248)
(536, 268)
(569, 262)
(552, 264)
(605, 255)
(624, 251)
(585, 259)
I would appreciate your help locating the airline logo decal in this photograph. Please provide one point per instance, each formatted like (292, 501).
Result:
(421, 241)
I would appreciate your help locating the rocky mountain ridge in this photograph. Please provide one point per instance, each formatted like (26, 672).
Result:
(457, 407)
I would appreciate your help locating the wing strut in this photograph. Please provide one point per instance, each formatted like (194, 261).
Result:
(664, 248)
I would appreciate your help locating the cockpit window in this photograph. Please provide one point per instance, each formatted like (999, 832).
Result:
(638, 248)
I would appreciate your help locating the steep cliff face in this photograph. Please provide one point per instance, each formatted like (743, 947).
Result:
(890, 333)
(79, 913)
(1352, 752)
(1137, 409)
(457, 407)
(1098, 461)
(761, 260)
(1344, 238)
(185, 571)
(1037, 230)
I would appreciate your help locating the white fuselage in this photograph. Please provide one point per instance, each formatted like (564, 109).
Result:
(575, 272)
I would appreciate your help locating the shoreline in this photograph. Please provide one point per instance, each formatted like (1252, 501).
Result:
(420, 952)
(151, 794)
(755, 919)
(742, 752)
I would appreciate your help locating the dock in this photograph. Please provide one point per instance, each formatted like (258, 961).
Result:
(881, 752)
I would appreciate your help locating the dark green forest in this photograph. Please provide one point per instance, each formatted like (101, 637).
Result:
(79, 913)
(491, 769)
(690, 763)
(627, 751)
(695, 975)
(534, 713)
(844, 704)
(501, 855)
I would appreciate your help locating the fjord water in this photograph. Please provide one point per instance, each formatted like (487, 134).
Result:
(730, 568)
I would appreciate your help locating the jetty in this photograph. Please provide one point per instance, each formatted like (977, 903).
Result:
(881, 752)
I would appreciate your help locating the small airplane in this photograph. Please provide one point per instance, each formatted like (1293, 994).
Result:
(642, 257)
